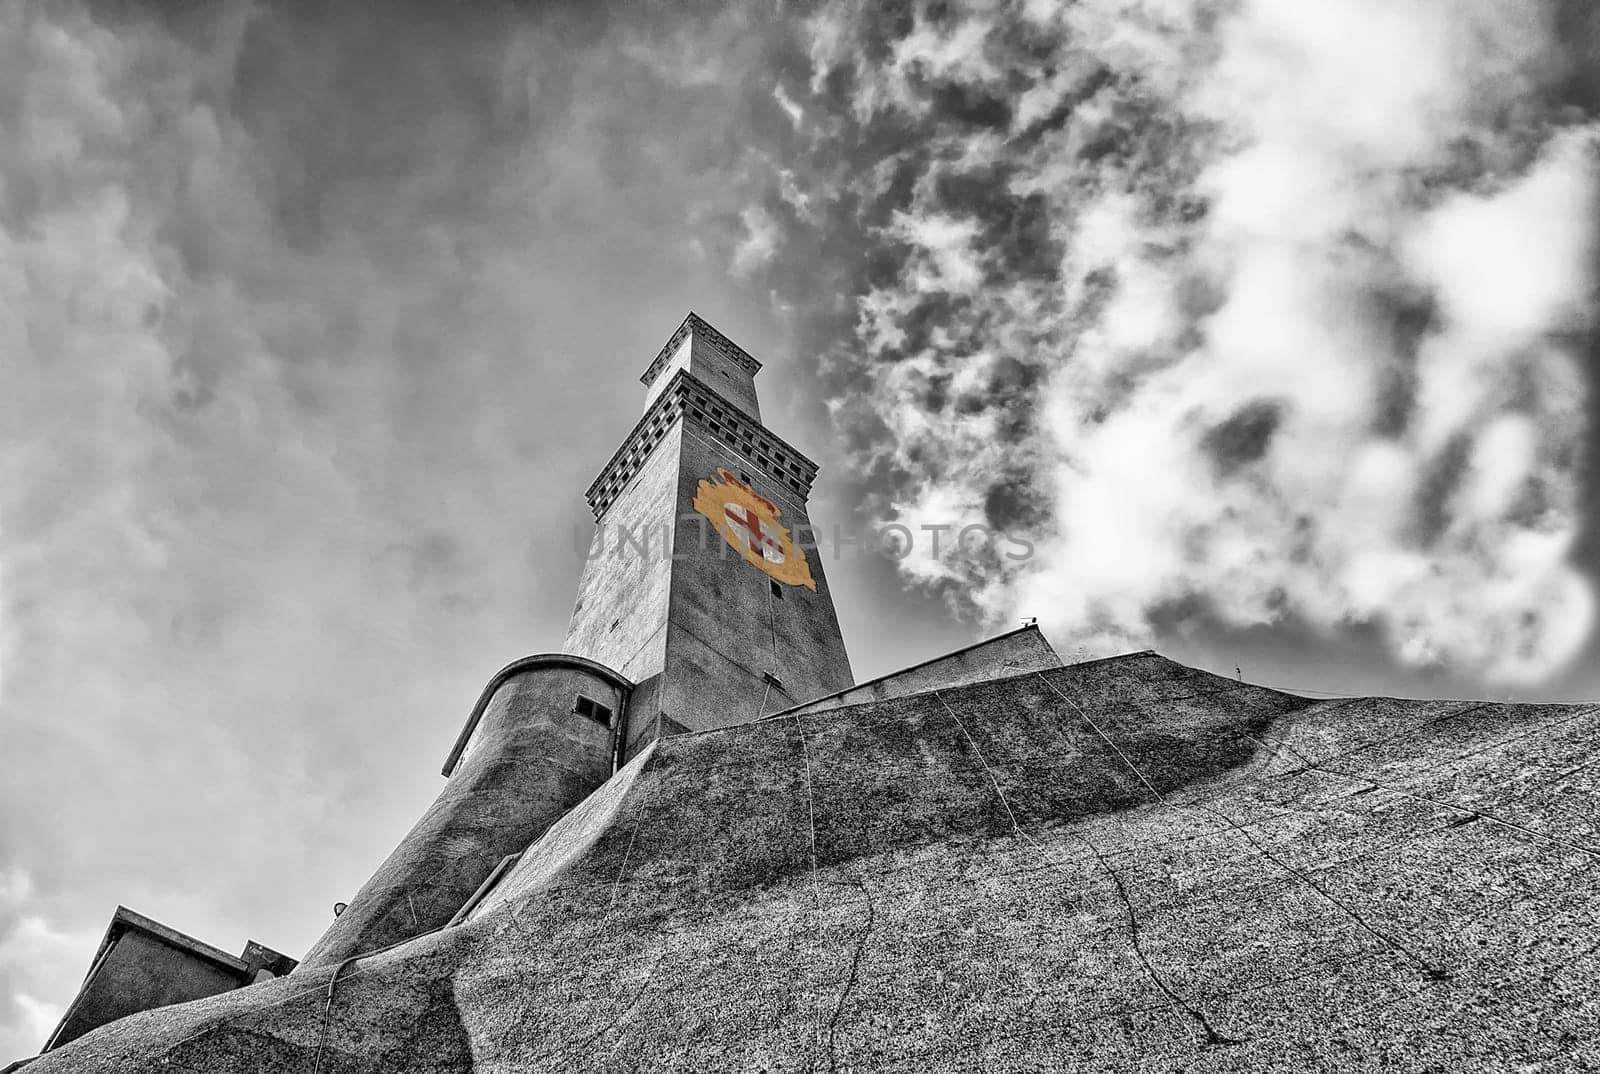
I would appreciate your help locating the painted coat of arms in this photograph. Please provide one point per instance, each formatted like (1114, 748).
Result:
(748, 521)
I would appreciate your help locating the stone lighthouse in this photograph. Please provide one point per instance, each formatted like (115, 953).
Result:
(701, 587)
(689, 842)
(703, 602)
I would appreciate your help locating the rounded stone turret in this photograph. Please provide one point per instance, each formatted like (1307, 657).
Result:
(540, 739)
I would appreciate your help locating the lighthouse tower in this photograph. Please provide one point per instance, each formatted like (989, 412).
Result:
(704, 586)
(702, 603)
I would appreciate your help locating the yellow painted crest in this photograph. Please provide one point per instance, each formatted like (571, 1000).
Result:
(748, 521)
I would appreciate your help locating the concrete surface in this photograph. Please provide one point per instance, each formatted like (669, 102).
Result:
(727, 630)
(712, 357)
(1023, 649)
(1121, 865)
(528, 759)
(665, 600)
(619, 618)
(142, 964)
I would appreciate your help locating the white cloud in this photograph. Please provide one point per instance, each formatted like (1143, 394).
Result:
(1515, 264)
(791, 109)
(1308, 348)
(945, 257)
(760, 242)
(35, 954)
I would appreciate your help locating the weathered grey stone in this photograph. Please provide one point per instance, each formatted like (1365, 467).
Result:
(1117, 865)
(1023, 649)
(982, 862)
(142, 963)
(525, 759)
(709, 638)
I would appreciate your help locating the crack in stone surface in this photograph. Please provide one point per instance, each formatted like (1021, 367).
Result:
(850, 980)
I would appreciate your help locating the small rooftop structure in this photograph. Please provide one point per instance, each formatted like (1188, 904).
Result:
(142, 964)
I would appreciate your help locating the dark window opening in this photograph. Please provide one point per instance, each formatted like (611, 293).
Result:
(777, 590)
(614, 623)
(772, 679)
(588, 706)
(744, 477)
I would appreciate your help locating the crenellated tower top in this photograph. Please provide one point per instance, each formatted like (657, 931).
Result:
(696, 347)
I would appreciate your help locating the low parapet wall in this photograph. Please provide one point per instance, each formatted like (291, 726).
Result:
(1023, 649)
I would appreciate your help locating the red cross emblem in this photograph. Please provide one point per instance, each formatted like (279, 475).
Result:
(758, 533)
(749, 522)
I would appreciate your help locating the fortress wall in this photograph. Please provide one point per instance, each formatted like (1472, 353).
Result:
(978, 880)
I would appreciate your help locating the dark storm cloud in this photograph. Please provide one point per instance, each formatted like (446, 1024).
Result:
(1243, 437)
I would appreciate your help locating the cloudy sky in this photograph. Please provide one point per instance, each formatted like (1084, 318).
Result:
(1269, 324)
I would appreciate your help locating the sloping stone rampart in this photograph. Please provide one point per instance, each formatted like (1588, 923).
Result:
(1110, 866)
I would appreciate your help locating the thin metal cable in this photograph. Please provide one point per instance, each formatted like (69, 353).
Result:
(1355, 777)
(1016, 827)
(265, 1007)
(638, 818)
(1005, 802)
(811, 810)
(302, 993)
(772, 624)
(327, 1008)
(1176, 998)
(772, 669)
(1404, 733)
(1433, 971)
(333, 981)
(816, 882)
(1394, 697)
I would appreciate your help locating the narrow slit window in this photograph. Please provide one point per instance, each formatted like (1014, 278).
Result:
(588, 706)
(777, 590)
